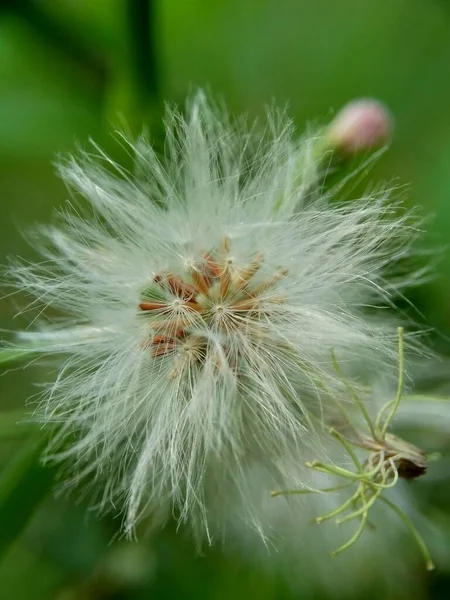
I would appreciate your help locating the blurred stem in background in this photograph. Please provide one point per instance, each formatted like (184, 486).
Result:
(141, 100)
(63, 38)
(143, 53)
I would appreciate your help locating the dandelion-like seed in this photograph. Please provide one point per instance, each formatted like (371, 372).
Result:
(192, 307)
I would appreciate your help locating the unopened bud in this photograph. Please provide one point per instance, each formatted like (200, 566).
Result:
(360, 125)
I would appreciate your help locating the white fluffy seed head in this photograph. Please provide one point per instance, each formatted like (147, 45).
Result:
(198, 299)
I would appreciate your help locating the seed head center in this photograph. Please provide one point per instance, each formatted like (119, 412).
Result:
(213, 287)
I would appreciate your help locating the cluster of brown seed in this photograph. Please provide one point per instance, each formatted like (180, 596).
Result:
(213, 288)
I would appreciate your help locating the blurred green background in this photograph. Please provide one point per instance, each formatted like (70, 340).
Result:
(74, 69)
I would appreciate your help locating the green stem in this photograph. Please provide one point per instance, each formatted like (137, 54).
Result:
(354, 537)
(324, 490)
(396, 402)
(413, 531)
(348, 448)
(422, 398)
(360, 511)
(354, 395)
(335, 470)
(342, 507)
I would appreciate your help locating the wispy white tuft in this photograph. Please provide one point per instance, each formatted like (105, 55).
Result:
(193, 305)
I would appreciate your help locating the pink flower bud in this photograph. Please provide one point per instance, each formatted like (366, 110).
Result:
(360, 125)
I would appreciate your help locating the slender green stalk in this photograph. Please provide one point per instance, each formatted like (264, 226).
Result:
(413, 531)
(336, 488)
(348, 448)
(354, 537)
(354, 395)
(396, 402)
(361, 511)
(341, 508)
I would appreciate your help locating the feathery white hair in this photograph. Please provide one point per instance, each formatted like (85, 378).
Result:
(198, 301)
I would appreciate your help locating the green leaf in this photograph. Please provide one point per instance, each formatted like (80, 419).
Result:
(8, 355)
(24, 483)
